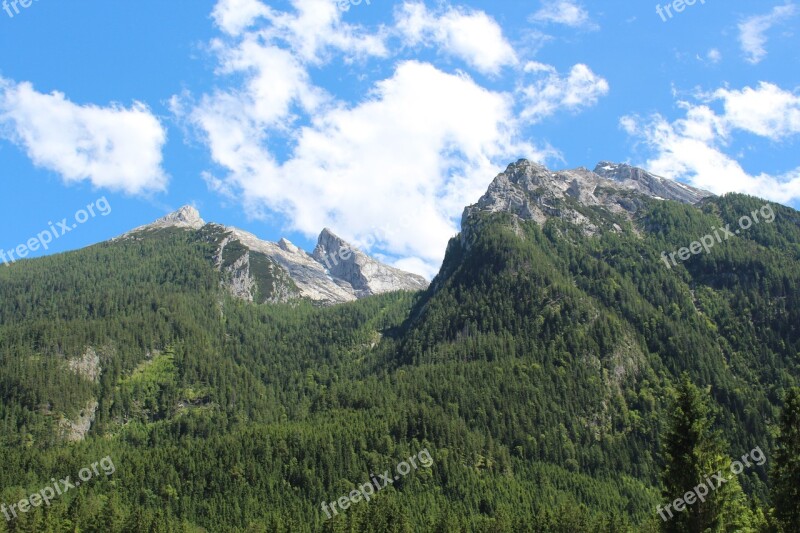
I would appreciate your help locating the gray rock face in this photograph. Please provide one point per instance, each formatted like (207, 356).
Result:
(532, 192)
(87, 365)
(76, 430)
(359, 271)
(305, 272)
(185, 217)
(650, 184)
(263, 271)
(238, 279)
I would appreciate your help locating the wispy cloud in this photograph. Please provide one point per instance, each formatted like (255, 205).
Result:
(753, 30)
(694, 148)
(579, 89)
(714, 55)
(564, 12)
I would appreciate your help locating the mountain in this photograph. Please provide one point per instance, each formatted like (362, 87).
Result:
(537, 369)
(555, 308)
(262, 271)
(530, 191)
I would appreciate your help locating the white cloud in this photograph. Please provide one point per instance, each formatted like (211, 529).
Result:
(714, 55)
(564, 12)
(580, 88)
(399, 167)
(312, 31)
(767, 111)
(316, 27)
(392, 169)
(473, 36)
(112, 147)
(752, 31)
(693, 148)
(233, 16)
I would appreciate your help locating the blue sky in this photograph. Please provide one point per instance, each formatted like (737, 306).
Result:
(381, 121)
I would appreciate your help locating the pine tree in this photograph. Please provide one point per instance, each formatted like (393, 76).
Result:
(694, 453)
(786, 468)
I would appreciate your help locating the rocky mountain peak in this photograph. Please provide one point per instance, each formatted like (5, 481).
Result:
(612, 170)
(263, 271)
(531, 191)
(523, 168)
(185, 217)
(365, 275)
(328, 242)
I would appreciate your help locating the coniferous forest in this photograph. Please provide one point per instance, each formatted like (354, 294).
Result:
(560, 382)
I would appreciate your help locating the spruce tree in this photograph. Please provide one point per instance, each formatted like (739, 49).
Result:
(786, 467)
(694, 452)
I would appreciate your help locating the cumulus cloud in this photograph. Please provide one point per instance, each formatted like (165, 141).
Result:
(472, 36)
(580, 88)
(768, 111)
(395, 169)
(112, 147)
(753, 31)
(234, 16)
(391, 169)
(564, 12)
(693, 148)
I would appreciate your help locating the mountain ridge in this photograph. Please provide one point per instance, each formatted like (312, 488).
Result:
(531, 191)
(335, 272)
(264, 271)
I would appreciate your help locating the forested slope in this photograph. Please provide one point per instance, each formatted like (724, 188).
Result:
(537, 370)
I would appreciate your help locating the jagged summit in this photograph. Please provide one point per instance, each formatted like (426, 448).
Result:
(185, 217)
(365, 275)
(328, 244)
(531, 191)
(259, 270)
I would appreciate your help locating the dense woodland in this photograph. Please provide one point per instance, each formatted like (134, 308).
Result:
(551, 375)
